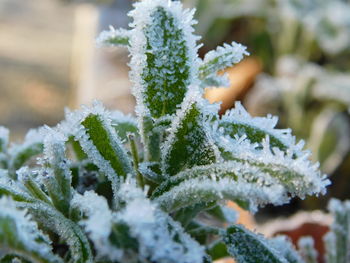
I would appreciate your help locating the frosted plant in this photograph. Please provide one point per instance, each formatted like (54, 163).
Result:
(106, 187)
(337, 240)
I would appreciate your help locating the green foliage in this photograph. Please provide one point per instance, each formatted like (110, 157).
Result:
(113, 188)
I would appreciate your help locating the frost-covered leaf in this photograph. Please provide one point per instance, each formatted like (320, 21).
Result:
(151, 171)
(113, 37)
(160, 238)
(93, 129)
(221, 58)
(337, 241)
(4, 139)
(164, 55)
(248, 247)
(307, 249)
(218, 250)
(151, 135)
(285, 247)
(189, 142)
(124, 124)
(97, 222)
(223, 213)
(58, 175)
(52, 220)
(20, 236)
(291, 168)
(32, 146)
(238, 122)
(216, 81)
(222, 181)
(9, 187)
(26, 177)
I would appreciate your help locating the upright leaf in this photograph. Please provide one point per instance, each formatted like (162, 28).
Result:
(93, 129)
(189, 142)
(163, 55)
(4, 140)
(58, 175)
(307, 249)
(337, 241)
(285, 247)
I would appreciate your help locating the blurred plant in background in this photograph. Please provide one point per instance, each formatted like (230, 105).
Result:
(304, 49)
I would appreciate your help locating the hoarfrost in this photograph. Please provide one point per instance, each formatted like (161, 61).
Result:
(161, 239)
(98, 224)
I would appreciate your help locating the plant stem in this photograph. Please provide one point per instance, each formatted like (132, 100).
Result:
(135, 157)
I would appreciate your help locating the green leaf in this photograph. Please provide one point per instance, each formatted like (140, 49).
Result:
(77, 149)
(114, 38)
(285, 247)
(124, 125)
(337, 241)
(22, 153)
(217, 250)
(220, 59)
(164, 58)
(52, 220)
(59, 178)
(121, 237)
(307, 249)
(8, 187)
(4, 139)
(21, 237)
(248, 247)
(151, 138)
(221, 181)
(238, 122)
(105, 142)
(26, 177)
(189, 142)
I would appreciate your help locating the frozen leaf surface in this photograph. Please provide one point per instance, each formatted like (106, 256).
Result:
(20, 236)
(248, 247)
(189, 142)
(113, 37)
(164, 59)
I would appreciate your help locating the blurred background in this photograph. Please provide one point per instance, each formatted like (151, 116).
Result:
(299, 69)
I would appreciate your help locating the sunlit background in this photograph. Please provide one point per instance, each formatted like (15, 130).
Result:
(298, 69)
